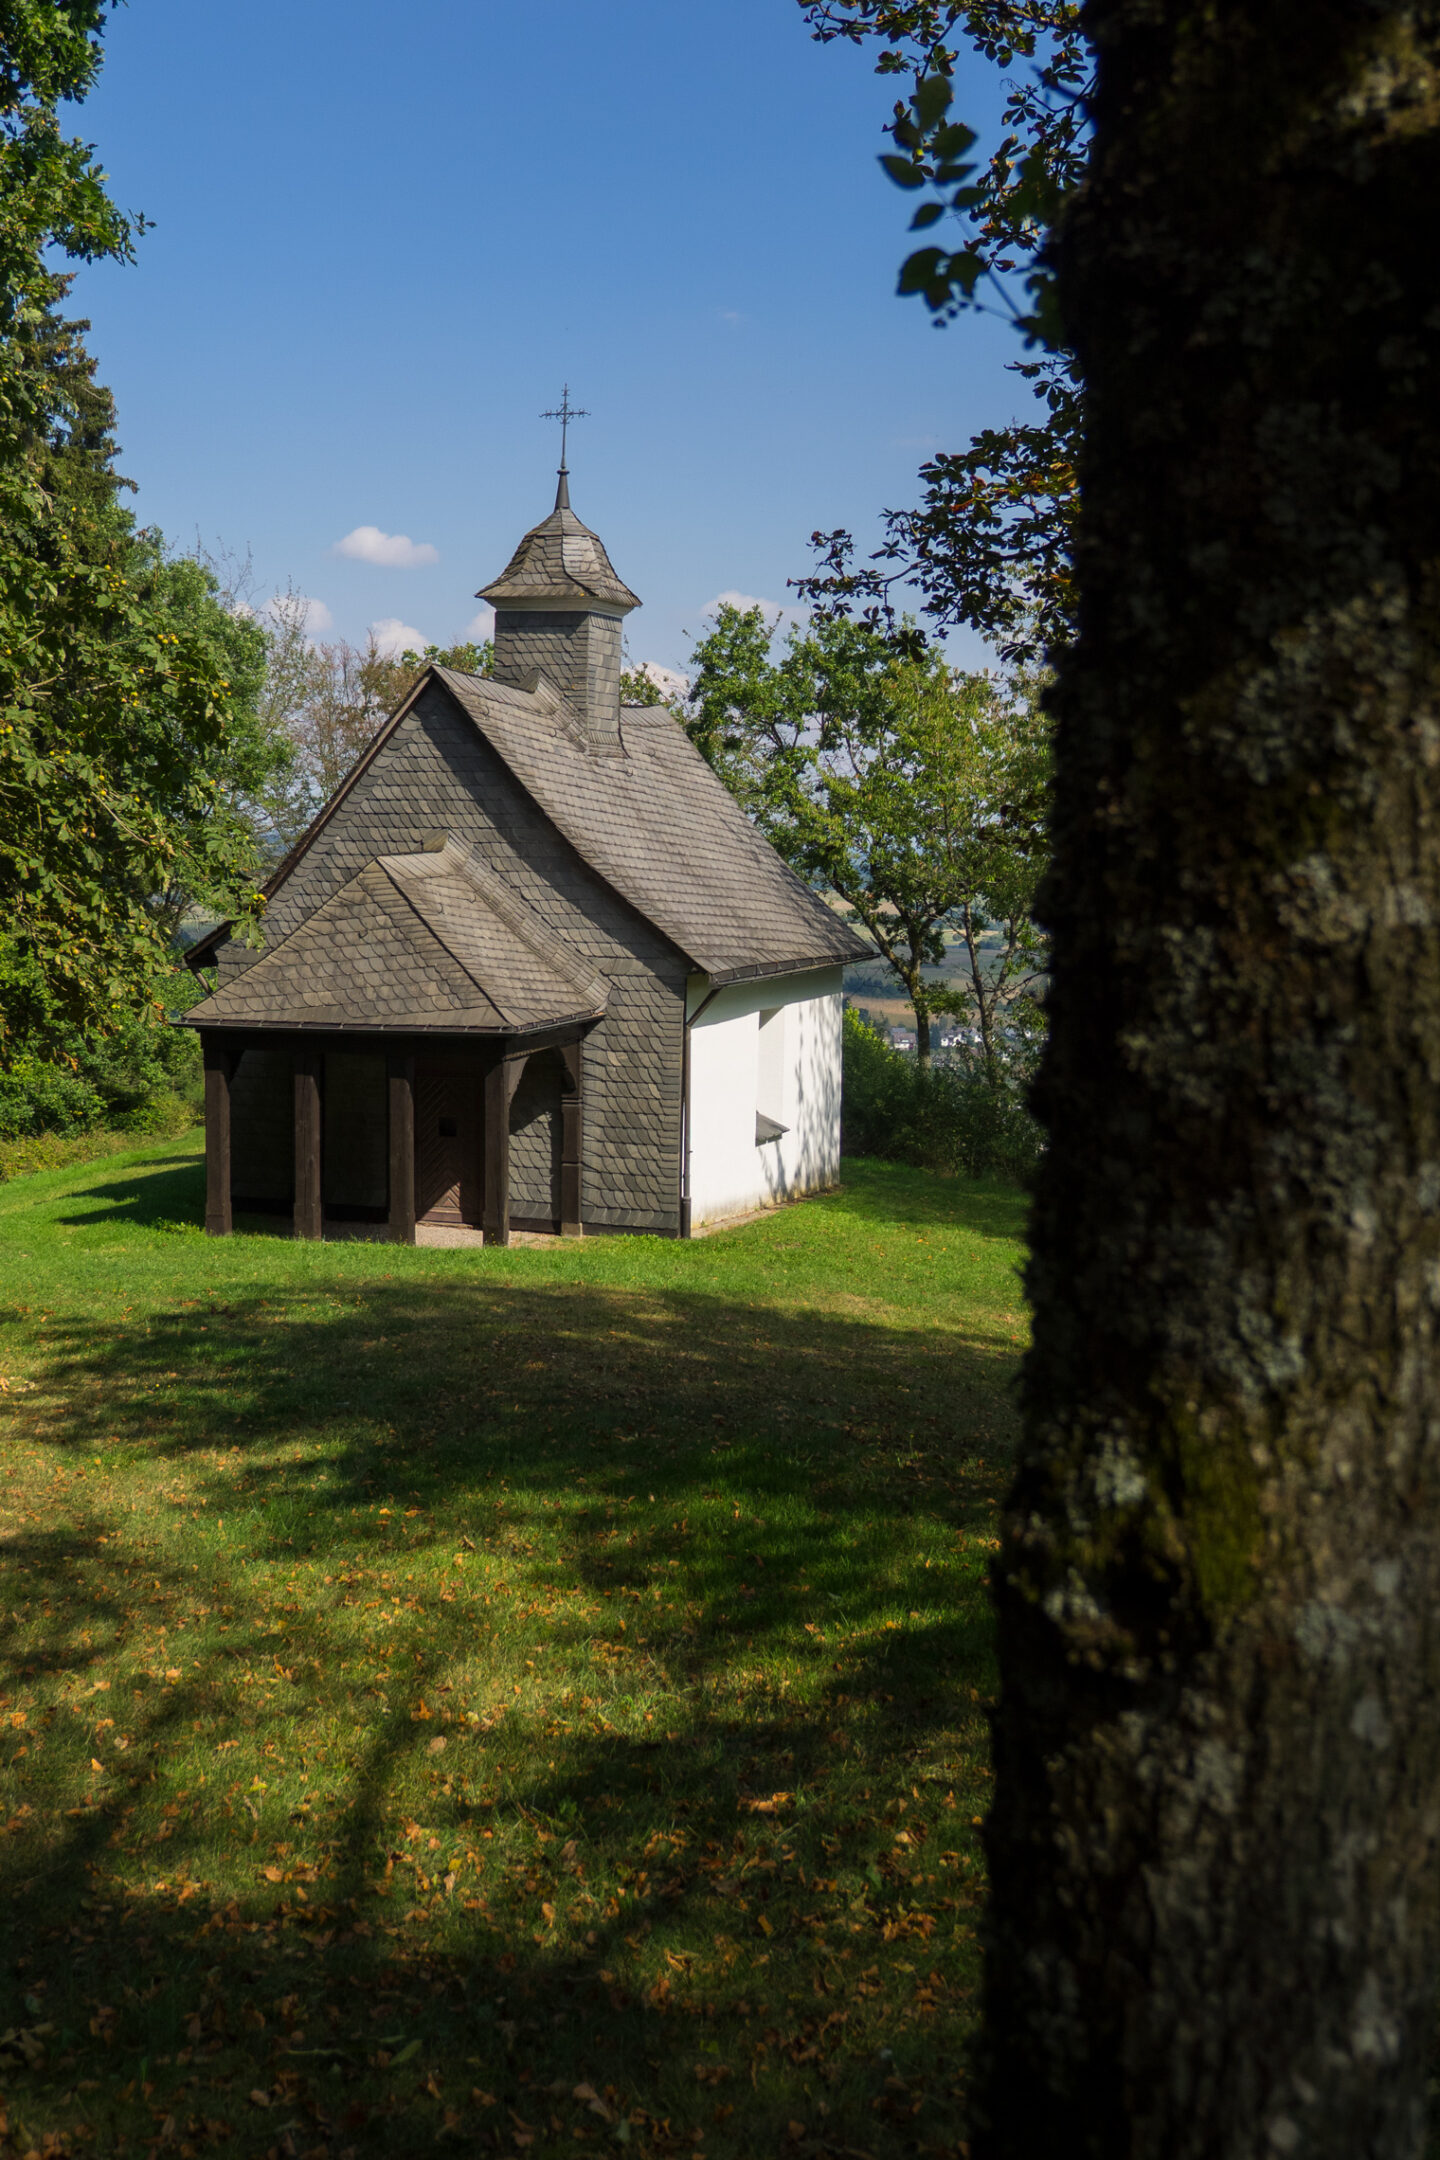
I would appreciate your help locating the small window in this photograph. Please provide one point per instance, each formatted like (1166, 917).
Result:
(770, 1076)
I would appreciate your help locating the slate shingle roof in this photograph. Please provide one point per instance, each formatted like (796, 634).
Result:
(664, 832)
(560, 563)
(415, 942)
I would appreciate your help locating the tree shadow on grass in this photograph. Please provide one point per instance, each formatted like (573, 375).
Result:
(162, 1189)
(705, 1725)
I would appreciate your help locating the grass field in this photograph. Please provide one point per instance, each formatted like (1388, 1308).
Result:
(529, 1700)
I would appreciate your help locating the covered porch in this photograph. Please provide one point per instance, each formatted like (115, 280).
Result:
(412, 1052)
(395, 1131)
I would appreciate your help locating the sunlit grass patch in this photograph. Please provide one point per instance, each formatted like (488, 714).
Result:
(531, 1698)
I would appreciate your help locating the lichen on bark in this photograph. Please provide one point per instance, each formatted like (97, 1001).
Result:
(1214, 1920)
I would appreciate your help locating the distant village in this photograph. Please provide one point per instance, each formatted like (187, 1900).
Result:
(949, 1037)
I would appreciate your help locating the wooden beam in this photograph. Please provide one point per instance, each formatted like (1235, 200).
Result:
(572, 1115)
(309, 1203)
(501, 1082)
(401, 1071)
(219, 1066)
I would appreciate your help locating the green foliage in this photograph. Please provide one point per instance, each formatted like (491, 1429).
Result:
(140, 1075)
(989, 545)
(1007, 205)
(638, 688)
(913, 792)
(119, 723)
(960, 1115)
(52, 192)
(466, 658)
(37, 1096)
(117, 730)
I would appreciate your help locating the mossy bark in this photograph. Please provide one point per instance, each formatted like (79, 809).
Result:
(1214, 1923)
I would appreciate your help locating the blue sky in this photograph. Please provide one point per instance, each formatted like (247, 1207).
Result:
(384, 236)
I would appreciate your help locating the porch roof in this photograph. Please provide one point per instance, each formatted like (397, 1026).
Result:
(413, 942)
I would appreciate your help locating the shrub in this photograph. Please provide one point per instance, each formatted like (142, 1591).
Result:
(142, 1077)
(38, 1097)
(954, 1116)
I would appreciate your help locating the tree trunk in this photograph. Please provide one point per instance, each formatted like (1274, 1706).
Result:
(1214, 1920)
(915, 985)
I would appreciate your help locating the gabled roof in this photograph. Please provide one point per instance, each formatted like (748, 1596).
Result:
(655, 822)
(665, 832)
(430, 941)
(560, 563)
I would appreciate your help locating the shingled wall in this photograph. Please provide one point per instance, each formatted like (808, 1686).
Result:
(436, 773)
(355, 1131)
(536, 1141)
(580, 654)
(262, 1128)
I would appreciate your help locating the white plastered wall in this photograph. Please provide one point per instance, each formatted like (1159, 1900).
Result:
(792, 1074)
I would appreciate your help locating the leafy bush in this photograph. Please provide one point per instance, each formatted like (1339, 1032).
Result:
(36, 1097)
(142, 1077)
(953, 1116)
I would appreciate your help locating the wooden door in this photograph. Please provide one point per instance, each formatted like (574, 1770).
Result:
(446, 1145)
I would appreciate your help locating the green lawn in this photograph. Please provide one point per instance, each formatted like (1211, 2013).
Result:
(527, 1700)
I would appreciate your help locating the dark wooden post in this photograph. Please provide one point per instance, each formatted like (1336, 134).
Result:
(401, 1072)
(572, 1113)
(500, 1084)
(219, 1065)
(309, 1203)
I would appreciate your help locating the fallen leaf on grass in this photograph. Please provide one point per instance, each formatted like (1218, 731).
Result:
(771, 1806)
(592, 2100)
(26, 2042)
(259, 2099)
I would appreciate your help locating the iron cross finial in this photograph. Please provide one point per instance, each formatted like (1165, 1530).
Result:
(565, 412)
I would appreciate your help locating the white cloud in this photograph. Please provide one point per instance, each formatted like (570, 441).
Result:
(774, 611)
(393, 637)
(392, 551)
(479, 628)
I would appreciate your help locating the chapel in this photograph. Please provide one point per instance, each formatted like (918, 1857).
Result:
(531, 966)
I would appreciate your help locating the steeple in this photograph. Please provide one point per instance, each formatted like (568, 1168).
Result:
(558, 610)
(560, 563)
